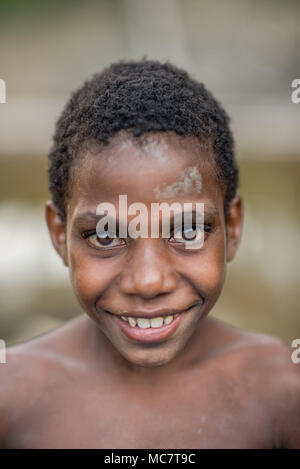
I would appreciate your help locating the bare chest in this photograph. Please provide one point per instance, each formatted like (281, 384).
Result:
(191, 416)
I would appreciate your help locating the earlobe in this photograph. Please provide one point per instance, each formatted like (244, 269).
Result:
(234, 226)
(57, 230)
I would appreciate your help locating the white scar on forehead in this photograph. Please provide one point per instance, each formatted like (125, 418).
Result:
(156, 149)
(150, 145)
(190, 180)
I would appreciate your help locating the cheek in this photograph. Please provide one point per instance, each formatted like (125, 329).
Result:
(90, 277)
(208, 271)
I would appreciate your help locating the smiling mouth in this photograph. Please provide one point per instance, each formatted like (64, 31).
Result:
(154, 329)
(145, 323)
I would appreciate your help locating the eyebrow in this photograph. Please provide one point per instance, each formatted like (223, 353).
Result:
(86, 217)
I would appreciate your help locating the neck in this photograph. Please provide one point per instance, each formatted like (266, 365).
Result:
(115, 364)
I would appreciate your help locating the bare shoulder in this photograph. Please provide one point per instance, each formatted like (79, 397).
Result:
(269, 357)
(247, 344)
(278, 375)
(269, 370)
(18, 377)
(31, 367)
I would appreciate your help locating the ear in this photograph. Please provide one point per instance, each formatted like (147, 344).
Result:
(57, 230)
(234, 226)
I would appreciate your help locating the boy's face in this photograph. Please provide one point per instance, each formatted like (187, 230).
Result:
(146, 278)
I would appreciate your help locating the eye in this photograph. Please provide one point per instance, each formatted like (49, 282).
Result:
(102, 240)
(194, 234)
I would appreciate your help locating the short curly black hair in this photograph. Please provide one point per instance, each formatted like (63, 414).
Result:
(140, 96)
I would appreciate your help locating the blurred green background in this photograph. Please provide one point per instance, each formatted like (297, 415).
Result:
(247, 54)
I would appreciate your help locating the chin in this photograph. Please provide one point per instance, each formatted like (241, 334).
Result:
(149, 359)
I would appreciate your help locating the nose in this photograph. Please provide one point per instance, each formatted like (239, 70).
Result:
(149, 271)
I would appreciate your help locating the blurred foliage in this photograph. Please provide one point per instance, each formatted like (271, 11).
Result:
(31, 9)
(23, 178)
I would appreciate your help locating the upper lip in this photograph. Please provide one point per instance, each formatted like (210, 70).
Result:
(151, 314)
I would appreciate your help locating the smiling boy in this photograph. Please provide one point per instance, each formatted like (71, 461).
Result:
(144, 366)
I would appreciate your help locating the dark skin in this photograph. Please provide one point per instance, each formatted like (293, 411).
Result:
(208, 385)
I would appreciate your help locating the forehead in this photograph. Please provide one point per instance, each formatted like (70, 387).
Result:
(151, 168)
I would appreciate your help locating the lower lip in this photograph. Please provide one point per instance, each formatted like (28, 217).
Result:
(151, 334)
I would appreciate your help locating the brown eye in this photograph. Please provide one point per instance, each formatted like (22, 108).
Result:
(189, 234)
(102, 240)
(192, 235)
(105, 240)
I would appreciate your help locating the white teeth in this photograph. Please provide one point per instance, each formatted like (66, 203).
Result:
(168, 319)
(157, 322)
(132, 322)
(143, 323)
